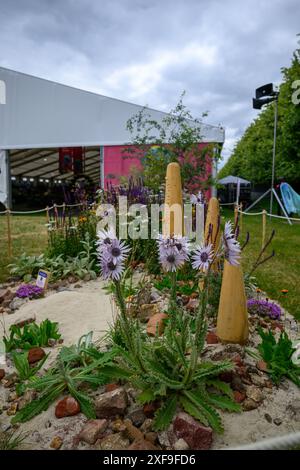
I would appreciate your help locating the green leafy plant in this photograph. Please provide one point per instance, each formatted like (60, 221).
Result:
(11, 440)
(30, 335)
(25, 267)
(168, 369)
(64, 377)
(24, 370)
(278, 356)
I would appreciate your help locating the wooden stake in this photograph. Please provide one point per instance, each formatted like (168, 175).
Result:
(212, 231)
(236, 214)
(47, 215)
(9, 243)
(264, 224)
(173, 212)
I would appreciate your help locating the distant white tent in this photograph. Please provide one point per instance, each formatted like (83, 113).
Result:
(233, 180)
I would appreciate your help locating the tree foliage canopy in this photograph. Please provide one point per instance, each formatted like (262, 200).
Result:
(252, 156)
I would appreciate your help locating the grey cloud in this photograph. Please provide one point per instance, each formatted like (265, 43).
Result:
(149, 51)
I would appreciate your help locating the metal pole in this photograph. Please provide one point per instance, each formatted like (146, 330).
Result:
(274, 152)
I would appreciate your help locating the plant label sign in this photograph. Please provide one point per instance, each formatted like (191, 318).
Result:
(42, 279)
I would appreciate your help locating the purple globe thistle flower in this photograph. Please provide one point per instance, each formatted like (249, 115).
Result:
(171, 259)
(197, 199)
(181, 244)
(105, 237)
(116, 250)
(111, 269)
(202, 257)
(231, 246)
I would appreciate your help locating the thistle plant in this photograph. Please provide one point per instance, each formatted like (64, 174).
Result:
(168, 368)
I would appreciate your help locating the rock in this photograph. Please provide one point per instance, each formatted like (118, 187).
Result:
(284, 385)
(111, 403)
(113, 442)
(294, 408)
(227, 376)
(257, 380)
(118, 425)
(262, 365)
(68, 406)
(92, 430)
(142, 444)
(150, 408)
(181, 445)
(144, 295)
(164, 438)
(137, 416)
(147, 425)
(211, 338)
(2, 374)
(196, 435)
(12, 409)
(35, 355)
(249, 404)
(26, 321)
(16, 303)
(239, 397)
(6, 295)
(151, 437)
(277, 421)
(111, 387)
(12, 397)
(156, 324)
(254, 394)
(63, 289)
(10, 380)
(192, 305)
(268, 417)
(237, 384)
(146, 311)
(77, 286)
(155, 295)
(56, 443)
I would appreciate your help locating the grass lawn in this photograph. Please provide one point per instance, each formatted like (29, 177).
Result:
(29, 235)
(282, 271)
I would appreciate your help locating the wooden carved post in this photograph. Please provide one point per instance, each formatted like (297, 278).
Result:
(9, 242)
(232, 322)
(173, 211)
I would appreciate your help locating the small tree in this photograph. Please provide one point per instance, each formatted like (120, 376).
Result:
(175, 138)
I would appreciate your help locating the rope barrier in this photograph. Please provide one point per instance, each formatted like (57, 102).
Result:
(270, 215)
(276, 443)
(43, 210)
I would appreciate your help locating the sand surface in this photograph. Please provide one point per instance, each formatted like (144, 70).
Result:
(78, 311)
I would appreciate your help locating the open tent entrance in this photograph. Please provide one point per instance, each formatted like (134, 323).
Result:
(44, 176)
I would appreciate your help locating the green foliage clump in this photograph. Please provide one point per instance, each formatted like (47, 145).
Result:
(31, 335)
(252, 156)
(278, 356)
(11, 440)
(66, 377)
(183, 133)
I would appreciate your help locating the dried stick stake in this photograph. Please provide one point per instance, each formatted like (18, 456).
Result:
(264, 223)
(9, 243)
(212, 227)
(47, 215)
(173, 210)
(241, 217)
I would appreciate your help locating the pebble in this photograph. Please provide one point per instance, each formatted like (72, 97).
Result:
(180, 444)
(56, 443)
(277, 421)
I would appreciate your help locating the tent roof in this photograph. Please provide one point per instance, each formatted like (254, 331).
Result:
(233, 180)
(43, 114)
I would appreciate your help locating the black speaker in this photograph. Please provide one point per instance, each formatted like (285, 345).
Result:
(265, 90)
(257, 104)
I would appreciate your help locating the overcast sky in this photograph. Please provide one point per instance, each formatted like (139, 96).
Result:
(149, 51)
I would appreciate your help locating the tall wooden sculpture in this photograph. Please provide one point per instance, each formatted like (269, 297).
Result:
(173, 213)
(212, 231)
(232, 323)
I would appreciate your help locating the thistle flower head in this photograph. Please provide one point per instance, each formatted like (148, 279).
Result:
(105, 237)
(202, 257)
(231, 247)
(173, 252)
(197, 198)
(115, 250)
(111, 269)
